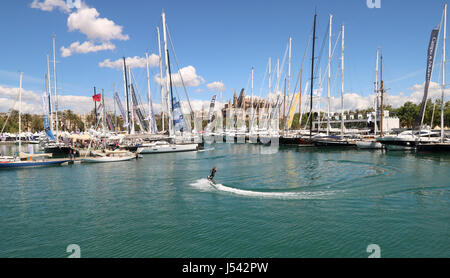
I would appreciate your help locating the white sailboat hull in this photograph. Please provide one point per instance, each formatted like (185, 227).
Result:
(169, 148)
(106, 159)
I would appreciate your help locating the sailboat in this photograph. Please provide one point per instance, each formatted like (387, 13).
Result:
(371, 142)
(411, 139)
(176, 120)
(334, 140)
(54, 146)
(24, 160)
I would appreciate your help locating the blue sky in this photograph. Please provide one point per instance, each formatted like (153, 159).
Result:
(222, 40)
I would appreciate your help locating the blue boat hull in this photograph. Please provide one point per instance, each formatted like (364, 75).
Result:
(27, 164)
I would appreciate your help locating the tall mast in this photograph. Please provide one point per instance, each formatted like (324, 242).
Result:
(20, 111)
(270, 75)
(104, 112)
(443, 74)
(342, 84)
(49, 92)
(160, 75)
(376, 94)
(284, 107)
(171, 89)
(289, 76)
(56, 94)
(114, 102)
(166, 53)
(382, 96)
(131, 100)
(319, 100)
(95, 108)
(278, 74)
(312, 77)
(149, 97)
(251, 104)
(329, 76)
(125, 87)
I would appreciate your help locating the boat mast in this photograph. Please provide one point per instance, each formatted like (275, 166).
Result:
(149, 97)
(382, 96)
(278, 75)
(342, 84)
(104, 115)
(125, 88)
(443, 74)
(56, 94)
(20, 111)
(284, 108)
(171, 90)
(376, 95)
(133, 131)
(289, 79)
(49, 91)
(95, 108)
(166, 53)
(329, 76)
(270, 75)
(160, 75)
(312, 77)
(251, 104)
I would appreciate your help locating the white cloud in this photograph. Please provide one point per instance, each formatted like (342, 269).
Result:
(132, 62)
(87, 21)
(85, 47)
(216, 86)
(49, 5)
(353, 101)
(32, 101)
(187, 74)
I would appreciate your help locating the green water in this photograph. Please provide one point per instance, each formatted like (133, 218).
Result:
(289, 203)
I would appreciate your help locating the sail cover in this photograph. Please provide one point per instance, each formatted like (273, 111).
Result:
(122, 112)
(47, 128)
(138, 112)
(430, 60)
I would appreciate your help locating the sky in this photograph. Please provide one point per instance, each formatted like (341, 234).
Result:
(216, 44)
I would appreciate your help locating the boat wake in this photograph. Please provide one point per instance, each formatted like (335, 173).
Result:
(207, 186)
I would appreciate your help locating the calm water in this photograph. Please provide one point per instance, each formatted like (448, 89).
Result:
(290, 203)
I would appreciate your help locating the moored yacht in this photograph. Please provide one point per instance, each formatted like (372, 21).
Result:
(408, 140)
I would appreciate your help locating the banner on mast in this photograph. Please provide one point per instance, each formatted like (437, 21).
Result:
(429, 70)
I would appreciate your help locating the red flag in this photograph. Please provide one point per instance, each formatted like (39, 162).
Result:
(97, 97)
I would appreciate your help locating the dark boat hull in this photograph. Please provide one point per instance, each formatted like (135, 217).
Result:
(61, 152)
(439, 147)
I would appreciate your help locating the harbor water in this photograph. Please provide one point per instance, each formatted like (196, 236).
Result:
(287, 202)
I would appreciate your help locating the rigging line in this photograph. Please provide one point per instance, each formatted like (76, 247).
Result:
(138, 95)
(264, 80)
(10, 112)
(301, 68)
(179, 70)
(282, 66)
(332, 56)
(321, 50)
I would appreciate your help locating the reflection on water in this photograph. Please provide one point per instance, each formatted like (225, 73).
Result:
(11, 149)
